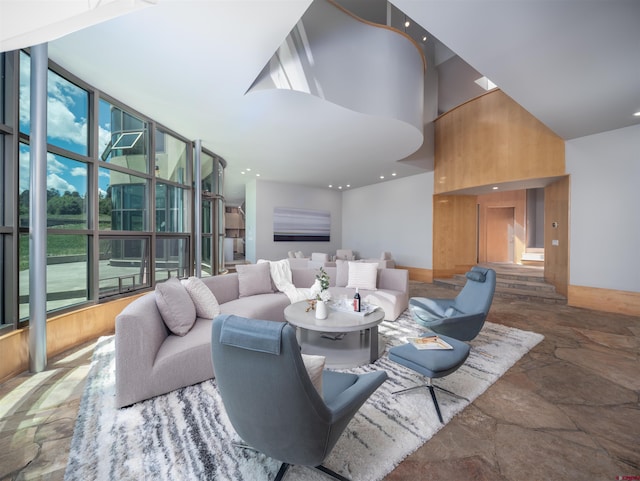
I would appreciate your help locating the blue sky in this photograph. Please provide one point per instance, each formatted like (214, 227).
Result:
(67, 127)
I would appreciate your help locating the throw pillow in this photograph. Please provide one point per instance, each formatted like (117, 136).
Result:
(314, 366)
(254, 279)
(363, 275)
(175, 306)
(203, 299)
(342, 273)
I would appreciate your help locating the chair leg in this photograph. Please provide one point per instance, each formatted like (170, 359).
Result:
(331, 473)
(281, 472)
(431, 388)
(435, 402)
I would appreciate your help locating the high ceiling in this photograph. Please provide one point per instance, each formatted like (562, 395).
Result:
(573, 64)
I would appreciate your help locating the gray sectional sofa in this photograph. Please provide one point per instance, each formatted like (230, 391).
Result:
(152, 360)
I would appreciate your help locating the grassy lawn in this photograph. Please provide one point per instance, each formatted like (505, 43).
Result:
(61, 244)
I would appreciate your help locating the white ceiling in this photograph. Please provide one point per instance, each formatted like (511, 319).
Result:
(574, 64)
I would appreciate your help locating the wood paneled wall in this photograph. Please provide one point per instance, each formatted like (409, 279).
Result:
(454, 234)
(491, 139)
(63, 332)
(516, 199)
(556, 257)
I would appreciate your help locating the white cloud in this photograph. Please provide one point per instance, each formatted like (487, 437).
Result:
(62, 123)
(56, 182)
(54, 166)
(79, 172)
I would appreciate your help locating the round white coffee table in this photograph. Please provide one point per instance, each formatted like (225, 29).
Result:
(345, 339)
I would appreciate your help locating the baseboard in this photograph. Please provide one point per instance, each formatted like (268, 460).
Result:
(608, 300)
(418, 274)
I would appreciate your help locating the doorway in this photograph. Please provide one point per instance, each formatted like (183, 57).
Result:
(500, 234)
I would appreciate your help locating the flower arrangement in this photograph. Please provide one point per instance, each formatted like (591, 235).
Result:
(324, 294)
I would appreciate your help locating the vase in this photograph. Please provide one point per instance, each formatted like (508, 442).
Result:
(321, 310)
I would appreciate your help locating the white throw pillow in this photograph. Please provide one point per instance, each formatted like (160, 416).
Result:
(315, 366)
(203, 299)
(362, 275)
(175, 306)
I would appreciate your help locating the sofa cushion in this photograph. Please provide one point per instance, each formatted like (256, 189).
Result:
(261, 306)
(315, 366)
(362, 275)
(175, 306)
(254, 279)
(342, 273)
(203, 299)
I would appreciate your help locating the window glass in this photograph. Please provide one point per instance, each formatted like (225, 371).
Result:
(23, 185)
(206, 217)
(67, 109)
(67, 264)
(23, 275)
(171, 158)
(206, 172)
(122, 138)
(25, 93)
(122, 201)
(123, 265)
(172, 258)
(171, 205)
(206, 256)
(66, 191)
(67, 114)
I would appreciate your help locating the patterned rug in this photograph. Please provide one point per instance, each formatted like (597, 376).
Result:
(186, 435)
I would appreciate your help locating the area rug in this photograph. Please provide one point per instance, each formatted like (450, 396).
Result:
(186, 435)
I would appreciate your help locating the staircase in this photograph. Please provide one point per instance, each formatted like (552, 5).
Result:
(514, 282)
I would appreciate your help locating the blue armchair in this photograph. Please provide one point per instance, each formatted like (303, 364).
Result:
(270, 399)
(463, 316)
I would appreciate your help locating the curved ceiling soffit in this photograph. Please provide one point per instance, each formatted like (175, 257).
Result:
(363, 67)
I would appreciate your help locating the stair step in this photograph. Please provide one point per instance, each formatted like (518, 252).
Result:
(514, 282)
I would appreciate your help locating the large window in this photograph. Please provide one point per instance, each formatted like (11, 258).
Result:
(119, 195)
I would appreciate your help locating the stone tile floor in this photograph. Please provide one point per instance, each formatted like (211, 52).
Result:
(568, 410)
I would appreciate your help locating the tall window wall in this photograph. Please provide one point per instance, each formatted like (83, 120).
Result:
(119, 195)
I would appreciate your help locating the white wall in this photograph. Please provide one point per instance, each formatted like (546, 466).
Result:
(394, 216)
(605, 209)
(262, 196)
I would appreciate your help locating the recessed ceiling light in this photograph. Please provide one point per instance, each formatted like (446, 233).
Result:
(331, 186)
(637, 114)
(382, 176)
(495, 187)
(242, 172)
(348, 185)
(340, 187)
(248, 170)
(257, 175)
(393, 174)
(407, 23)
(424, 39)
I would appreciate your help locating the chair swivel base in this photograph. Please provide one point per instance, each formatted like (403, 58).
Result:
(432, 387)
(285, 466)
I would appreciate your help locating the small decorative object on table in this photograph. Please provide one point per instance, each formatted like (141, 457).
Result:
(324, 296)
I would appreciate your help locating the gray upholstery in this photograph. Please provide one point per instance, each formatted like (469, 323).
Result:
(150, 360)
(270, 399)
(463, 316)
(432, 364)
